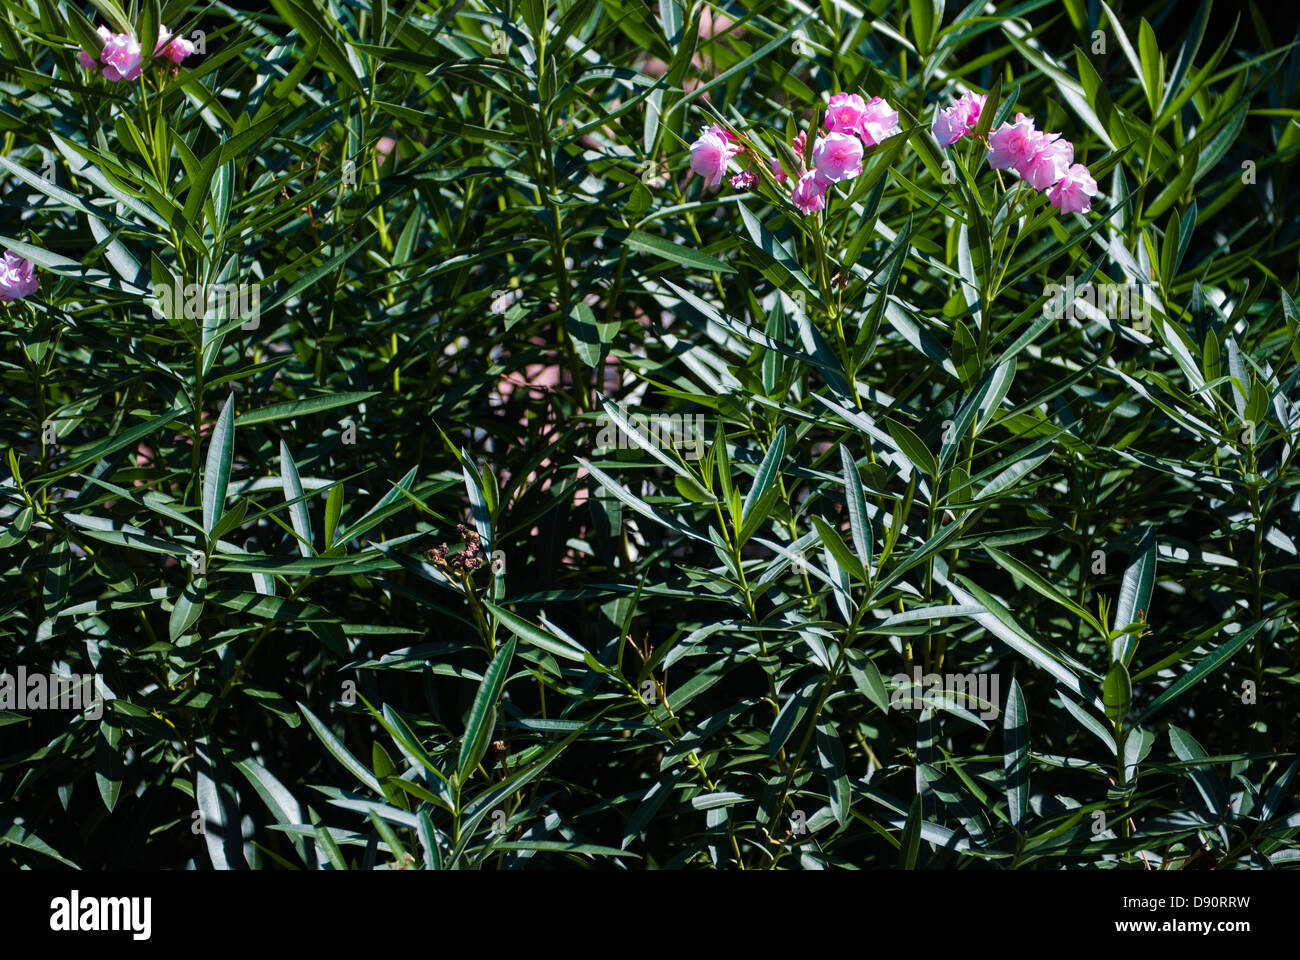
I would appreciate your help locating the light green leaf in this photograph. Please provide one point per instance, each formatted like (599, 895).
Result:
(216, 472)
(482, 715)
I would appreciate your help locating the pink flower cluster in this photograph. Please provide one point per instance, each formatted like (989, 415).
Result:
(122, 57)
(960, 119)
(873, 120)
(1043, 160)
(17, 278)
(852, 124)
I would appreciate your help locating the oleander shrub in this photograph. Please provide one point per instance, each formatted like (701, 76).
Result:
(625, 434)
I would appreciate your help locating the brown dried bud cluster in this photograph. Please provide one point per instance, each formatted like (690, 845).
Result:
(465, 560)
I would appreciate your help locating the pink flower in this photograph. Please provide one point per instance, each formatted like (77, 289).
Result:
(800, 141)
(845, 113)
(17, 278)
(1071, 193)
(959, 119)
(973, 105)
(711, 154)
(1049, 162)
(86, 59)
(175, 51)
(178, 50)
(778, 171)
(744, 180)
(1013, 144)
(810, 193)
(838, 156)
(949, 127)
(879, 122)
(121, 57)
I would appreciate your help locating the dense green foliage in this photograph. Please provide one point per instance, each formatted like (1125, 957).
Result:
(478, 247)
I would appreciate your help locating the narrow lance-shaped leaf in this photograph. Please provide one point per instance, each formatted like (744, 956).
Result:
(768, 471)
(1015, 732)
(1208, 784)
(216, 472)
(830, 756)
(279, 801)
(1135, 596)
(535, 635)
(1117, 693)
(293, 491)
(218, 807)
(913, 448)
(910, 843)
(108, 764)
(855, 501)
(1203, 669)
(482, 714)
(340, 752)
